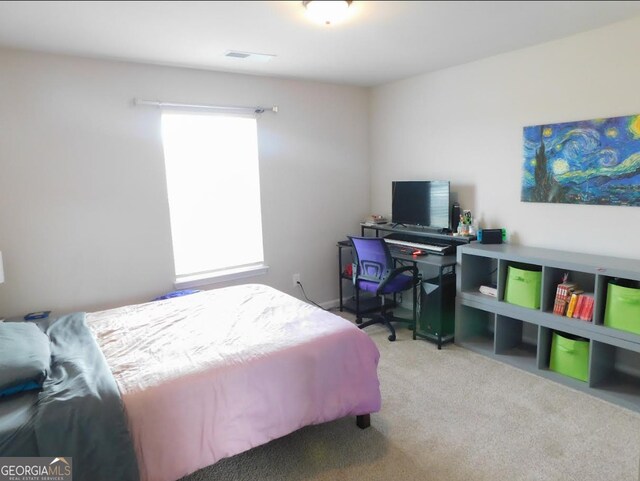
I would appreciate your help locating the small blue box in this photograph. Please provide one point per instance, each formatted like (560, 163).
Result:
(170, 295)
(33, 316)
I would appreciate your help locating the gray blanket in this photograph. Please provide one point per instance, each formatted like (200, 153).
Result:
(78, 413)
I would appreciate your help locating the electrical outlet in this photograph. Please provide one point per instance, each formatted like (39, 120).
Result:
(296, 280)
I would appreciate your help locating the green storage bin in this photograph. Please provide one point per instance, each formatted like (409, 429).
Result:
(523, 287)
(570, 356)
(623, 308)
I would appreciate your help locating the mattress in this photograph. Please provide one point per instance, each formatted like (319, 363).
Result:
(213, 374)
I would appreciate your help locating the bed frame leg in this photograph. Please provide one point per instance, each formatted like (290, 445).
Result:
(363, 421)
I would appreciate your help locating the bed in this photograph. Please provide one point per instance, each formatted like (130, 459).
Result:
(201, 377)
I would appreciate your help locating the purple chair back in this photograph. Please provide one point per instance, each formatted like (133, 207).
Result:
(373, 258)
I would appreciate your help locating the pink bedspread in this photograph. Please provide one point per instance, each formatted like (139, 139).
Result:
(213, 374)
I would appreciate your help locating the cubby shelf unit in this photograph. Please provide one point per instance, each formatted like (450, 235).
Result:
(521, 336)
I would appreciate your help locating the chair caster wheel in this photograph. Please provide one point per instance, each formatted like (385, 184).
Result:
(358, 320)
(392, 337)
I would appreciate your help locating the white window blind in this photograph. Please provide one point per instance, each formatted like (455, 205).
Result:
(214, 192)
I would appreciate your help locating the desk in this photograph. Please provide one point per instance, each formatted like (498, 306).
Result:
(418, 232)
(436, 308)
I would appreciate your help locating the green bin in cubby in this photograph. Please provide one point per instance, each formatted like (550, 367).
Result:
(623, 308)
(523, 287)
(570, 356)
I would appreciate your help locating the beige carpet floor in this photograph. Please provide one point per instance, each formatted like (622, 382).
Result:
(453, 415)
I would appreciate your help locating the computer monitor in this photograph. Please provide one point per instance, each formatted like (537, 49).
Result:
(421, 202)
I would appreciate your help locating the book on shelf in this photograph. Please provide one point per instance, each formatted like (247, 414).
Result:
(586, 311)
(573, 301)
(563, 295)
(579, 304)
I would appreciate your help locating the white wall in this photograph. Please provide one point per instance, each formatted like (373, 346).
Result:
(464, 124)
(84, 221)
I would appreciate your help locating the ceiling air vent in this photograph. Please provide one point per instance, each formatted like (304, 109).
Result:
(250, 56)
(237, 54)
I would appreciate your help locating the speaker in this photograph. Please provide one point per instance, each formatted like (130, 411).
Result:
(455, 216)
(490, 236)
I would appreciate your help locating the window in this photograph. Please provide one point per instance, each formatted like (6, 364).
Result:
(214, 195)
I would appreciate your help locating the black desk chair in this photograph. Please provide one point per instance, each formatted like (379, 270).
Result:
(375, 272)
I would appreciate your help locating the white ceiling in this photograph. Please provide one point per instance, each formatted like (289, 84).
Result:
(380, 41)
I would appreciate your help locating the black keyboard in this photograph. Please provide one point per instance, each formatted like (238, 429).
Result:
(408, 251)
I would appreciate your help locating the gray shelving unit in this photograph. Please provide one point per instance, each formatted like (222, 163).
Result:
(522, 337)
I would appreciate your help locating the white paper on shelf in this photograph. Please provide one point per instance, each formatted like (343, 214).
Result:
(489, 291)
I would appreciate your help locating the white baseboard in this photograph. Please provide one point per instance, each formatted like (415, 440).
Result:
(330, 304)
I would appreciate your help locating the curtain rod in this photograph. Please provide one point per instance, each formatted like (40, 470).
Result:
(223, 108)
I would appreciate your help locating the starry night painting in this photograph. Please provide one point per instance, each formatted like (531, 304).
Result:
(587, 162)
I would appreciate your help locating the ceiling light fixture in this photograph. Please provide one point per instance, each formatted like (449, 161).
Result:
(327, 11)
